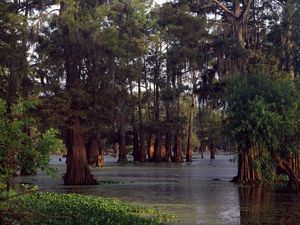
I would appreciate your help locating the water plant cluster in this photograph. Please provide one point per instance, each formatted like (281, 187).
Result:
(70, 209)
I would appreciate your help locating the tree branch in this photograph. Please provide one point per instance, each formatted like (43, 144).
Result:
(224, 8)
(246, 10)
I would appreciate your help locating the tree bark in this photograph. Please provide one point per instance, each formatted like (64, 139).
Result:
(122, 140)
(157, 148)
(92, 151)
(213, 151)
(142, 155)
(202, 148)
(178, 149)
(168, 157)
(136, 144)
(151, 143)
(190, 147)
(238, 19)
(246, 171)
(78, 172)
(285, 166)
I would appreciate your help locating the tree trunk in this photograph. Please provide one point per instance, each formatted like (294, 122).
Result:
(122, 142)
(151, 143)
(157, 148)
(202, 148)
(190, 147)
(238, 19)
(287, 40)
(163, 148)
(142, 155)
(246, 171)
(136, 144)
(135, 130)
(294, 179)
(78, 172)
(213, 151)
(92, 151)
(178, 149)
(11, 164)
(100, 162)
(168, 147)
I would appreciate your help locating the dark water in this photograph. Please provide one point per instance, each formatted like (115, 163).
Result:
(196, 193)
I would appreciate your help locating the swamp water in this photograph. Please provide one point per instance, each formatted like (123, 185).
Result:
(196, 193)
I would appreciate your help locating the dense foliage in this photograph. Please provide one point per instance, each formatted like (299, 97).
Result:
(22, 147)
(263, 113)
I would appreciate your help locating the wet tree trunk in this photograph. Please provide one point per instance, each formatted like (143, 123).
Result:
(151, 143)
(190, 147)
(295, 164)
(122, 140)
(202, 148)
(157, 148)
(100, 162)
(11, 164)
(136, 147)
(135, 132)
(78, 172)
(178, 149)
(287, 168)
(213, 151)
(142, 155)
(178, 136)
(92, 151)
(246, 171)
(168, 142)
(163, 148)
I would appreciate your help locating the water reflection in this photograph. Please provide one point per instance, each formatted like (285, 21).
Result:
(261, 206)
(197, 193)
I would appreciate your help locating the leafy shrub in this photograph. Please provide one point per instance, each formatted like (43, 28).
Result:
(22, 146)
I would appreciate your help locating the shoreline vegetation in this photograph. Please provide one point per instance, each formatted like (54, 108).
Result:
(56, 209)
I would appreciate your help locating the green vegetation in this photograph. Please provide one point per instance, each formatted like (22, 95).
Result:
(22, 147)
(158, 81)
(58, 209)
(263, 119)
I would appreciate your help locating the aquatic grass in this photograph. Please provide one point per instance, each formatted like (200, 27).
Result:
(70, 209)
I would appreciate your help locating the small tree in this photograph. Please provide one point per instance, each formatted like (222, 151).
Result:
(263, 120)
(22, 147)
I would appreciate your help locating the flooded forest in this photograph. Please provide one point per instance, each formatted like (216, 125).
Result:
(148, 112)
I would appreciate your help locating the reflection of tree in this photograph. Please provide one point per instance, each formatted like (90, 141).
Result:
(254, 206)
(260, 206)
(287, 207)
